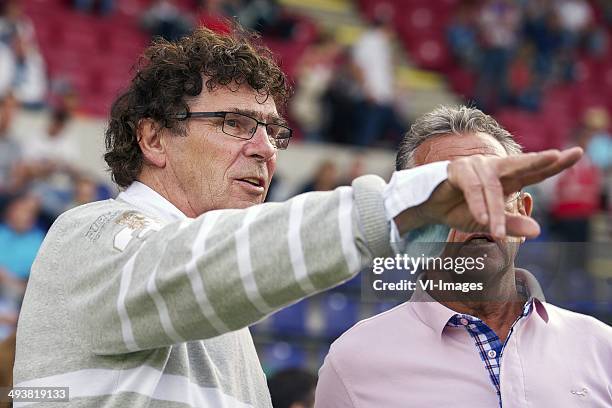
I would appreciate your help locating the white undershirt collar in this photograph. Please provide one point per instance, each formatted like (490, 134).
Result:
(151, 202)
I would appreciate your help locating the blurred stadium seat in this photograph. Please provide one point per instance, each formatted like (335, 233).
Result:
(283, 355)
(340, 312)
(292, 319)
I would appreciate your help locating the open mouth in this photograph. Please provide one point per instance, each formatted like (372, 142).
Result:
(252, 181)
(479, 239)
(252, 185)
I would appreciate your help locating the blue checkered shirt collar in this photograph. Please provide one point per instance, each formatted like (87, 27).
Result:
(436, 315)
(489, 345)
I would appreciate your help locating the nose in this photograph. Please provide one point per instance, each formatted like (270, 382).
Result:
(259, 145)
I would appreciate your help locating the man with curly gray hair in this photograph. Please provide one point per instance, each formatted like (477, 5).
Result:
(145, 300)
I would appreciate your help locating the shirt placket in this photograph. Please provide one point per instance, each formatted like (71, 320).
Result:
(489, 346)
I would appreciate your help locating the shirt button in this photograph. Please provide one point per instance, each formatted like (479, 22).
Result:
(491, 353)
(464, 321)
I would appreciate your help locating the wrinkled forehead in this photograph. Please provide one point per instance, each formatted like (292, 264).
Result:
(452, 146)
(236, 98)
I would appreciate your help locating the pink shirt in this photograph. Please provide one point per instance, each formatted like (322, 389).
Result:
(408, 357)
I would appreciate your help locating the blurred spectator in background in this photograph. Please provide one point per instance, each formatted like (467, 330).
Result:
(10, 150)
(52, 148)
(29, 80)
(20, 237)
(266, 17)
(324, 179)
(599, 149)
(499, 25)
(85, 190)
(315, 71)
(292, 388)
(7, 69)
(62, 94)
(462, 36)
(14, 23)
(343, 101)
(525, 90)
(576, 196)
(50, 162)
(542, 30)
(373, 55)
(517, 50)
(22, 68)
(166, 20)
(596, 40)
(575, 17)
(102, 6)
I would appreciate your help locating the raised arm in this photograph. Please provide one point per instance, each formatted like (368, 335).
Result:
(148, 286)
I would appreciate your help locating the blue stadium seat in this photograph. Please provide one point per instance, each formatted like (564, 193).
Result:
(292, 319)
(340, 313)
(278, 356)
(354, 283)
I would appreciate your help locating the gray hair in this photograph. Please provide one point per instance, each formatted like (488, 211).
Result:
(456, 120)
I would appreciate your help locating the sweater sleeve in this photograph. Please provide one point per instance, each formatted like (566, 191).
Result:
(139, 285)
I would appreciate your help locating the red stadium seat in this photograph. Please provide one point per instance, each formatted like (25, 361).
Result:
(64, 59)
(430, 53)
(49, 35)
(287, 53)
(84, 42)
(419, 18)
(114, 83)
(43, 4)
(97, 104)
(462, 81)
(132, 7)
(187, 5)
(526, 127)
(124, 41)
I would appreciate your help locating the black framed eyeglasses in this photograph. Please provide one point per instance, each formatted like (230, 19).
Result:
(244, 126)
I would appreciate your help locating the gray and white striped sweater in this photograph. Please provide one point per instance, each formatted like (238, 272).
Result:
(132, 311)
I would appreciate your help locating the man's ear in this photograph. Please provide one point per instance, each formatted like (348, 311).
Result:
(150, 141)
(526, 204)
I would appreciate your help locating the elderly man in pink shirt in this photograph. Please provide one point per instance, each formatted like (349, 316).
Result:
(503, 347)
